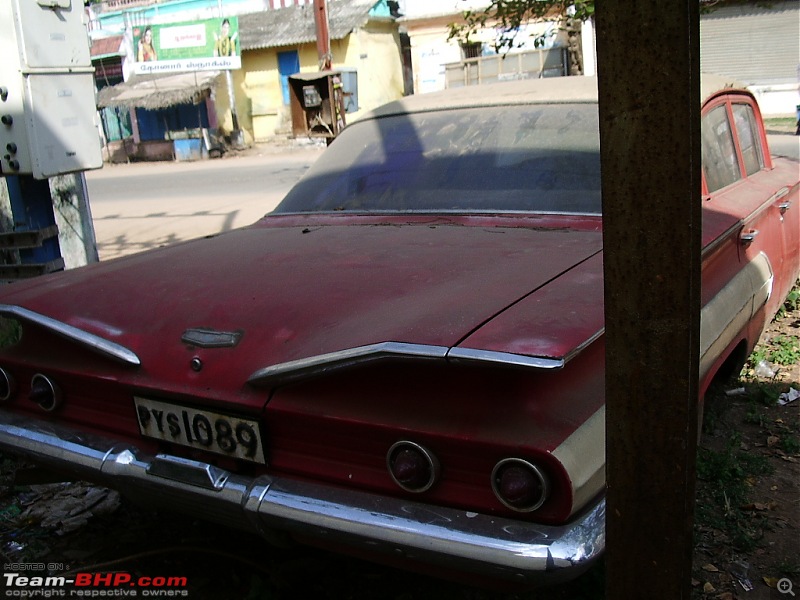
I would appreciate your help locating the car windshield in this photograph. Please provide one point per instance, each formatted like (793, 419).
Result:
(531, 158)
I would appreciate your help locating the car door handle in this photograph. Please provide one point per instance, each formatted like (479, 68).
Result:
(782, 193)
(747, 237)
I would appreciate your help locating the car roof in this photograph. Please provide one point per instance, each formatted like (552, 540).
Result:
(553, 90)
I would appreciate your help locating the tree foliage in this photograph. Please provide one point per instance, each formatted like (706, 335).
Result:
(508, 16)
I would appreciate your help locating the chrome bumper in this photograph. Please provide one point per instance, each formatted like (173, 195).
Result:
(498, 548)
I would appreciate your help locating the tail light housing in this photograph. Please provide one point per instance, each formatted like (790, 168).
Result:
(45, 392)
(412, 467)
(519, 484)
(7, 385)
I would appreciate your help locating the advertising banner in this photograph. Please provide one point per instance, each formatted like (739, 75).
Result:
(210, 45)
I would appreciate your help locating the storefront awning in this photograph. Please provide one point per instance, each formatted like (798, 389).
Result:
(158, 91)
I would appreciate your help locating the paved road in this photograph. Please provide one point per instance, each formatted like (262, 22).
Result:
(145, 205)
(784, 144)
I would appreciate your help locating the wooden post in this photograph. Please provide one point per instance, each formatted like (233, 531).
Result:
(648, 59)
(323, 35)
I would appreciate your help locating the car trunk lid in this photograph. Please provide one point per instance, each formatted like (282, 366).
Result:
(283, 293)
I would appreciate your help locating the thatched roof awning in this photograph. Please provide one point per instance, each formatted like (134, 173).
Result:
(158, 91)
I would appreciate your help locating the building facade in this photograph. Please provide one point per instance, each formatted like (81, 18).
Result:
(275, 39)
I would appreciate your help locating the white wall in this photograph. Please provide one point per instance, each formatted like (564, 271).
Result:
(426, 8)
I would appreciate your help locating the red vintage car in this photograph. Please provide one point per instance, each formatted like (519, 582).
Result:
(405, 360)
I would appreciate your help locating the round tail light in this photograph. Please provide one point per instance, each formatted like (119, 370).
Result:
(7, 385)
(412, 467)
(519, 484)
(44, 392)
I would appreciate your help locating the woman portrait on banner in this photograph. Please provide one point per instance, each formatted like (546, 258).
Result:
(146, 50)
(225, 44)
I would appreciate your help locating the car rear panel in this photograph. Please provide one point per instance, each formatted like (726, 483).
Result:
(299, 292)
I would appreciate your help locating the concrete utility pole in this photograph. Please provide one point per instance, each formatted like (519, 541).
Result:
(649, 77)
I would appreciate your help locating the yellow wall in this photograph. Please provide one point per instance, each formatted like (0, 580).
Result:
(223, 105)
(258, 93)
(376, 54)
(374, 51)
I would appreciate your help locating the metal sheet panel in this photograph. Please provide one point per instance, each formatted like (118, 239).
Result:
(755, 44)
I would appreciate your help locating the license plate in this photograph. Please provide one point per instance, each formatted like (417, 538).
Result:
(227, 435)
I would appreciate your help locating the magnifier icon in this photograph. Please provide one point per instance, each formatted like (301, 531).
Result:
(785, 586)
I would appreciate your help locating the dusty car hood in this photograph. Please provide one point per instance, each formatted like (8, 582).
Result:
(292, 291)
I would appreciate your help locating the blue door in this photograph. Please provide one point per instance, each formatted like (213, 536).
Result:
(288, 64)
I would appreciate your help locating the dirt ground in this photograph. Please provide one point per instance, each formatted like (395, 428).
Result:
(746, 520)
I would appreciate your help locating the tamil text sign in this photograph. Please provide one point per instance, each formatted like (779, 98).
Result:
(210, 45)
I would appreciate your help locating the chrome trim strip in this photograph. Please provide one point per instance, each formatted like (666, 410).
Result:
(521, 360)
(585, 344)
(325, 363)
(342, 359)
(504, 358)
(501, 548)
(84, 338)
(781, 193)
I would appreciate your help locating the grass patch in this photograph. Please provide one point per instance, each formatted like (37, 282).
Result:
(730, 509)
(727, 476)
(781, 120)
(791, 303)
(792, 569)
(780, 124)
(790, 445)
(767, 394)
(785, 350)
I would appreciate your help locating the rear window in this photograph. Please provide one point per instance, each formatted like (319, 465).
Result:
(720, 163)
(537, 158)
(747, 128)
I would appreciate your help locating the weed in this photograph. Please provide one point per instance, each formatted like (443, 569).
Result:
(729, 469)
(791, 303)
(790, 444)
(785, 350)
(759, 354)
(755, 416)
(727, 475)
(789, 568)
(767, 394)
(782, 350)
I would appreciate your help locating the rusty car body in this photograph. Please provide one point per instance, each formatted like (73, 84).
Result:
(405, 359)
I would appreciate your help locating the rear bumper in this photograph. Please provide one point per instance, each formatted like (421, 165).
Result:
(486, 546)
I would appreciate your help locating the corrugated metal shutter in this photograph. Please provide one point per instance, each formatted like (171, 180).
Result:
(756, 45)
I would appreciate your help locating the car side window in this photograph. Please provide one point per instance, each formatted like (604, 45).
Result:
(745, 119)
(720, 163)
